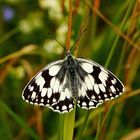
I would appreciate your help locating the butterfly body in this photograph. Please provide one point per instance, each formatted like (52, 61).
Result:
(70, 68)
(63, 82)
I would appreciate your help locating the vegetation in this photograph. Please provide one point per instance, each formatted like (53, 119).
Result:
(111, 39)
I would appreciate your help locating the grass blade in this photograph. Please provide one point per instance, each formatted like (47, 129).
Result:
(18, 120)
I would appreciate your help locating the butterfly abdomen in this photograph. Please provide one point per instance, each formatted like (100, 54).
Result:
(74, 84)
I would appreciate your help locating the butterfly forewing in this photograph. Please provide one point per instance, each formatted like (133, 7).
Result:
(48, 88)
(98, 84)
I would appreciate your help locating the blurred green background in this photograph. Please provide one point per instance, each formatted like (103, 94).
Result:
(112, 39)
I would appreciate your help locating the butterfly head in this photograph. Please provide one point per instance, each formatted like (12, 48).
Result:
(68, 53)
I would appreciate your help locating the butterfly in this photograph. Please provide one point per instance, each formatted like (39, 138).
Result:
(63, 83)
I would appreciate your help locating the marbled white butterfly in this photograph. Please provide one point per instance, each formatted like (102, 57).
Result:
(72, 80)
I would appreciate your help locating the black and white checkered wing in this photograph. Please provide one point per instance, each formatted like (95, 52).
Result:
(50, 88)
(96, 84)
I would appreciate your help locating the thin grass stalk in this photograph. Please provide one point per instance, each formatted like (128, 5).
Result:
(69, 26)
(8, 35)
(26, 50)
(79, 137)
(69, 121)
(98, 126)
(61, 127)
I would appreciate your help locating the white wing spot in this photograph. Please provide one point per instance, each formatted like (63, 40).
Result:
(103, 75)
(113, 89)
(101, 86)
(112, 97)
(93, 97)
(27, 101)
(87, 67)
(96, 88)
(54, 70)
(120, 93)
(64, 107)
(42, 100)
(84, 85)
(62, 96)
(88, 83)
(70, 105)
(91, 103)
(91, 79)
(49, 94)
(40, 82)
(84, 104)
(33, 95)
(52, 82)
(113, 81)
(99, 97)
(57, 107)
(82, 91)
(67, 93)
(116, 96)
(60, 88)
(54, 100)
(28, 96)
(31, 88)
(105, 95)
(43, 92)
(56, 86)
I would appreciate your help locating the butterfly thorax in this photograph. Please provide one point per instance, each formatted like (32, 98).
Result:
(71, 65)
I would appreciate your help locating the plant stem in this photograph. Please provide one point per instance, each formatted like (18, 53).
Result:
(69, 25)
(69, 121)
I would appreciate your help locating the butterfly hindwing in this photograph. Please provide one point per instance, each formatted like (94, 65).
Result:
(97, 84)
(48, 88)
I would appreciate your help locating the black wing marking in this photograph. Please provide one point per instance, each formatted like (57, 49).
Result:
(97, 84)
(49, 88)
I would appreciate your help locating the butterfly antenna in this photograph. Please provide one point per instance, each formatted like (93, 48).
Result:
(79, 36)
(49, 34)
